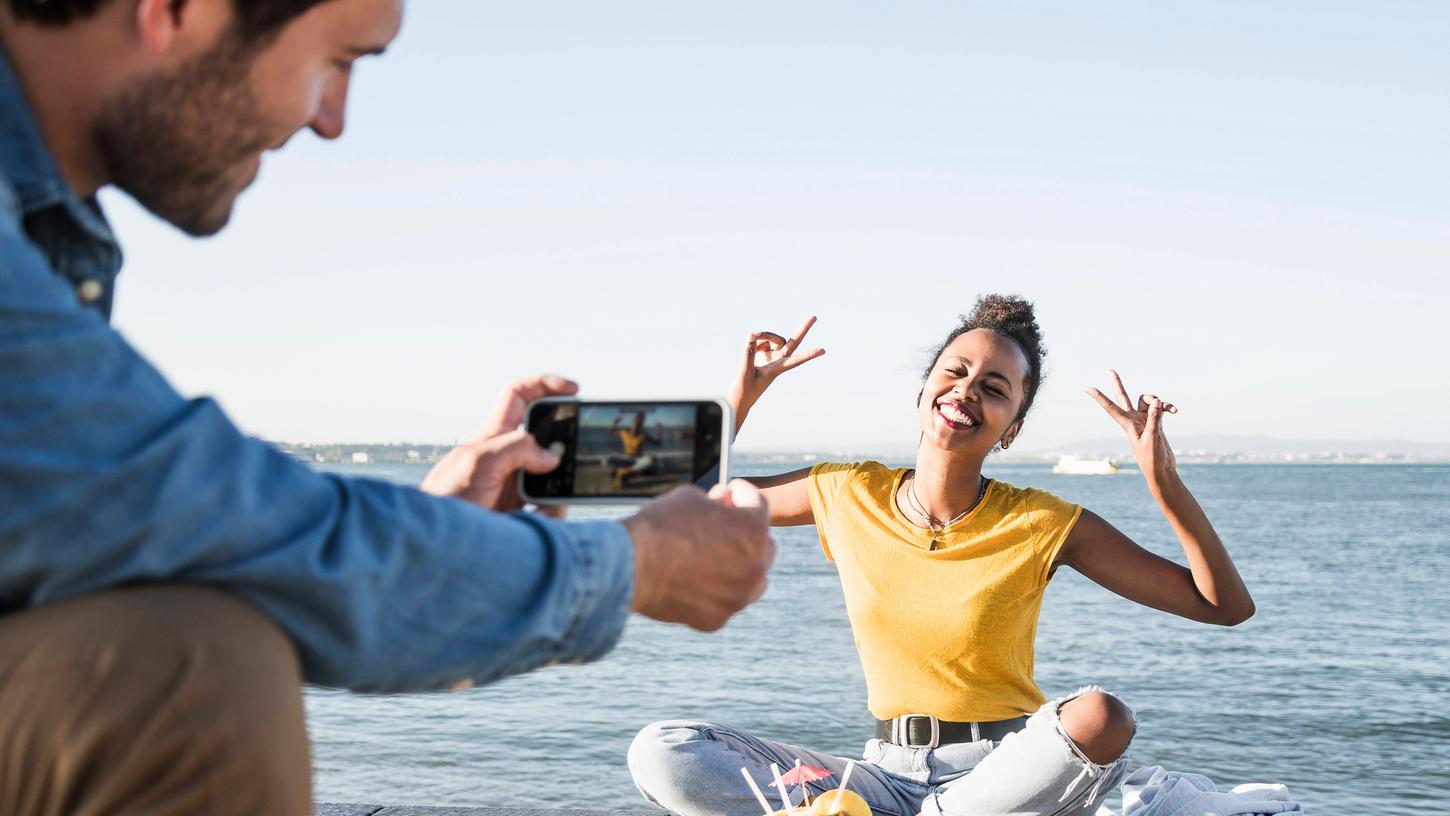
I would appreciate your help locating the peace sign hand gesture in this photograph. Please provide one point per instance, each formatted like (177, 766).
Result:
(1144, 427)
(767, 356)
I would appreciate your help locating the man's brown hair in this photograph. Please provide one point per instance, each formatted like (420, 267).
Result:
(256, 19)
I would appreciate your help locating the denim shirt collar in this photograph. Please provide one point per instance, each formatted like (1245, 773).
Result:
(71, 232)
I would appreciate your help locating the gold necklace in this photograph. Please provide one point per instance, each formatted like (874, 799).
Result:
(937, 526)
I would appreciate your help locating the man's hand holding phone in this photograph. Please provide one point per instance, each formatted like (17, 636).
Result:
(699, 559)
(484, 470)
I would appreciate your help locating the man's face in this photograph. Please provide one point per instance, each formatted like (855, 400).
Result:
(186, 142)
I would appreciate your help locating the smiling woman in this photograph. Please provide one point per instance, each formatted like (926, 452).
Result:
(1007, 318)
(943, 573)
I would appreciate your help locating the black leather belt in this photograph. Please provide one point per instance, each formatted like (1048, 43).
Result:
(926, 731)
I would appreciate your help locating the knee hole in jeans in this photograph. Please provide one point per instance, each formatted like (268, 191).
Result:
(1099, 724)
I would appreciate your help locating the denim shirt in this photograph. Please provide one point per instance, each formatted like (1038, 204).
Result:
(109, 477)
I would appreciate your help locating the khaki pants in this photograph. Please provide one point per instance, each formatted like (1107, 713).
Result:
(150, 701)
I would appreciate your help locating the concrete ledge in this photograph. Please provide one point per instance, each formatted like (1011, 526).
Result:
(330, 809)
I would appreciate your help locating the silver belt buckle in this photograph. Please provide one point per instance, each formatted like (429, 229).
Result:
(901, 731)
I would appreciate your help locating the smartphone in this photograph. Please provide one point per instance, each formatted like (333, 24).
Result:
(626, 451)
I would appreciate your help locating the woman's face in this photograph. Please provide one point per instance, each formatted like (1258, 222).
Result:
(975, 389)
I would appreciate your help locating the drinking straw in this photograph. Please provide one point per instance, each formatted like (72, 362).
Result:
(784, 797)
(755, 789)
(845, 777)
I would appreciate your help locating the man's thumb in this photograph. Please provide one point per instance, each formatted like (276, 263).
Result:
(744, 494)
(524, 452)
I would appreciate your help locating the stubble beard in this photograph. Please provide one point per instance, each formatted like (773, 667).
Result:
(182, 143)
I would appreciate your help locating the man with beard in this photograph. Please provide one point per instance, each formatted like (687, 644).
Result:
(167, 584)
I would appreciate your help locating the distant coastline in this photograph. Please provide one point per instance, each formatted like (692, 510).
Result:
(1208, 449)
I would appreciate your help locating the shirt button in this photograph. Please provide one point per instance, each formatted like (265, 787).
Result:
(90, 291)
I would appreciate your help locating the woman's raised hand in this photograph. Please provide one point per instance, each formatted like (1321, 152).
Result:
(767, 356)
(1144, 426)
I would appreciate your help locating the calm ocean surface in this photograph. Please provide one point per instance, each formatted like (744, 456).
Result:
(1339, 686)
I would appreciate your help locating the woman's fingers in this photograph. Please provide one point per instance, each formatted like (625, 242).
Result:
(1155, 414)
(758, 342)
(800, 335)
(776, 341)
(750, 350)
(766, 343)
(1114, 410)
(780, 352)
(761, 342)
(1148, 399)
(1122, 392)
(800, 359)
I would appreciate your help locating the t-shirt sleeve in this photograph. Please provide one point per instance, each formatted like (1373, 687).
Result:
(1054, 519)
(825, 485)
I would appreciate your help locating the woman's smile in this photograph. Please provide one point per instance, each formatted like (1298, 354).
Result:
(957, 415)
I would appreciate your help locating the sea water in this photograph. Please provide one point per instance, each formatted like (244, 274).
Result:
(1339, 686)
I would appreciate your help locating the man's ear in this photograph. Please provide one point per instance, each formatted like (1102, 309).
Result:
(180, 26)
(157, 22)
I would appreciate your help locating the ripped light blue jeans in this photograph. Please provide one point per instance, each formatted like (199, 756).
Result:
(693, 769)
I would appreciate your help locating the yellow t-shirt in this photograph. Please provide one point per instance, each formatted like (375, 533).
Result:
(946, 631)
(633, 442)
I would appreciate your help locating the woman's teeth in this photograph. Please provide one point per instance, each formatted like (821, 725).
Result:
(954, 414)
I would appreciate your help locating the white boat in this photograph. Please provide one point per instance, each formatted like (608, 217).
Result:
(1073, 465)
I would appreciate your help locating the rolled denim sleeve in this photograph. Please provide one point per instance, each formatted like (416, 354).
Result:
(108, 477)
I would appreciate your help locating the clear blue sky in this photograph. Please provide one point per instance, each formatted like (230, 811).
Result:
(1243, 206)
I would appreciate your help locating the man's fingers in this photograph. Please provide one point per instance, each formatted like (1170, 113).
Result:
(556, 386)
(743, 494)
(553, 511)
(700, 560)
(758, 592)
(508, 408)
(1122, 392)
(517, 450)
(721, 494)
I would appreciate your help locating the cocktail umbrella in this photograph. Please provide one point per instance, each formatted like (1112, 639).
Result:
(800, 775)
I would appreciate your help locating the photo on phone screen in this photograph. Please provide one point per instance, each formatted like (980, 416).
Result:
(624, 450)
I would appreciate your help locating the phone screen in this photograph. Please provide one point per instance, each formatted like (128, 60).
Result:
(624, 450)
